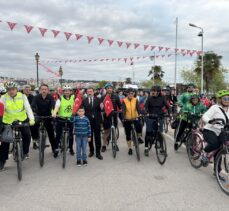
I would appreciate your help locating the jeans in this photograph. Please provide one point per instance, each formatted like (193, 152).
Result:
(81, 144)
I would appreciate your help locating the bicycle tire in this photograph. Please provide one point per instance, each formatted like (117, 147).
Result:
(18, 157)
(194, 149)
(42, 148)
(136, 144)
(117, 132)
(221, 158)
(113, 142)
(161, 148)
(166, 125)
(64, 148)
(151, 140)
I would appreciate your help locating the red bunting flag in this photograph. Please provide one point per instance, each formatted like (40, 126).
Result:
(43, 31)
(77, 103)
(131, 58)
(128, 44)
(67, 35)
(119, 59)
(182, 50)
(100, 40)
(166, 49)
(183, 54)
(119, 43)
(169, 55)
(110, 42)
(78, 36)
(160, 48)
(162, 56)
(188, 51)
(145, 47)
(138, 57)
(152, 47)
(157, 56)
(108, 106)
(89, 38)
(95, 60)
(28, 28)
(101, 60)
(191, 53)
(136, 45)
(55, 33)
(113, 59)
(11, 25)
(176, 50)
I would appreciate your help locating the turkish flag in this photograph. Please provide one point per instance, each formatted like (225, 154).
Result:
(108, 105)
(77, 103)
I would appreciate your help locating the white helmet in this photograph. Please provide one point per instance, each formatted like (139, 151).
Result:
(67, 87)
(2, 90)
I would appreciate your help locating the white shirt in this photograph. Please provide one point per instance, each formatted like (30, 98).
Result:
(214, 112)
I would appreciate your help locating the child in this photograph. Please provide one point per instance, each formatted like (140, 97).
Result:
(83, 135)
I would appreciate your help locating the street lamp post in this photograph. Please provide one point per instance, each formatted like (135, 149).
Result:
(61, 74)
(37, 61)
(201, 34)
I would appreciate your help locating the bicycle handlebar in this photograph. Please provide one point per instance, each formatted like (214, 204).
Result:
(17, 124)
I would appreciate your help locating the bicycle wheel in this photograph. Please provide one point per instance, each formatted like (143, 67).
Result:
(117, 132)
(113, 142)
(194, 149)
(64, 148)
(18, 159)
(42, 148)
(151, 140)
(166, 125)
(161, 148)
(136, 144)
(222, 170)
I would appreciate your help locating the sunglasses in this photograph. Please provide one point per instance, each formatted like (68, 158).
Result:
(225, 98)
(130, 93)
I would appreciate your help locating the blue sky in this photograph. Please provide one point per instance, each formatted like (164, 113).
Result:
(146, 21)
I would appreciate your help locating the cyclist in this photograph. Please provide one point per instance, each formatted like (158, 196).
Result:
(185, 97)
(16, 108)
(194, 106)
(42, 105)
(154, 107)
(107, 120)
(63, 108)
(212, 132)
(131, 112)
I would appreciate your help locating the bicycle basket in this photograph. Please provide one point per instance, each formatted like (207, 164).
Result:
(7, 134)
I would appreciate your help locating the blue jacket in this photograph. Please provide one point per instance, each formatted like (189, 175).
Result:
(82, 126)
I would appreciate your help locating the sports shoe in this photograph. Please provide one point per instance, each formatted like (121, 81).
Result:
(2, 165)
(204, 160)
(103, 149)
(176, 146)
(71, 151)
(100, 157)
(78, 163)
(146, 152)
(55, 153)
(35, 145)
(117, 149)
(130, 152)
(26, 156)
(220, 177)
(84, 162)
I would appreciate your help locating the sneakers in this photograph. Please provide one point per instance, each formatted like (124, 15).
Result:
(204, 160)
(71, 151)
(220, 177)
(103, 149)
(55, 153)
(35, 145)
(26, 156)
(84, 162)
(140, 141)
(130, 152)
(146, 152)
(2, 165)
(100, 157)
(78, 163)
(176, 146)
(117, 149)
(91, 154)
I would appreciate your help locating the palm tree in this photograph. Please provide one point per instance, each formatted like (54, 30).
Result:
(156, 74)
(212, 66)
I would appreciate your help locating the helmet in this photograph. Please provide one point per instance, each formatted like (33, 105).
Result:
(222, 93)
(2, 90)
(164, 89)
(10, 85)
(108, 85)
(156, 88)
(191, 84)
(67, 87)
(194, 95)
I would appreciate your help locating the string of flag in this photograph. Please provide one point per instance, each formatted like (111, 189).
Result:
(101, 41)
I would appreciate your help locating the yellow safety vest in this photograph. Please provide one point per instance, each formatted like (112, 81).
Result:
(65, 109)
(131, 110)
(14, 108)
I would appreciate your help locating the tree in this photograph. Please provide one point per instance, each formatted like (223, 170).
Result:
(156, 74)
(212, 68)
(101, 84)
(128, 81)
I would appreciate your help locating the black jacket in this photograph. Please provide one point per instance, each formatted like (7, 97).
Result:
(43, 107)
(115, 101)
(93, 111)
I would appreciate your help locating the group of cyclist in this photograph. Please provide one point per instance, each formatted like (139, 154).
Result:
(151, 106)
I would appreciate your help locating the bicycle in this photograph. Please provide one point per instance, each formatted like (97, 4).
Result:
(159, 141)
(42, 138)
(196, 147)
(17, 146)
(64, 139)
(166, 122)
(134, 137)
(113, 137)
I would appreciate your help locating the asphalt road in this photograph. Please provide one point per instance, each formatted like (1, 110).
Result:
(120, 184)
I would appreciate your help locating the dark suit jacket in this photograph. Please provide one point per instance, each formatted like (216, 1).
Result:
(94, 111)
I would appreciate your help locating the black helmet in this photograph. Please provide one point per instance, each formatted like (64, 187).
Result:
(129, 90)
(156, 88)
(191, 84)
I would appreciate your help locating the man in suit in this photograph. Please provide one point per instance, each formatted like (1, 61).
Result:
(93, 112)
